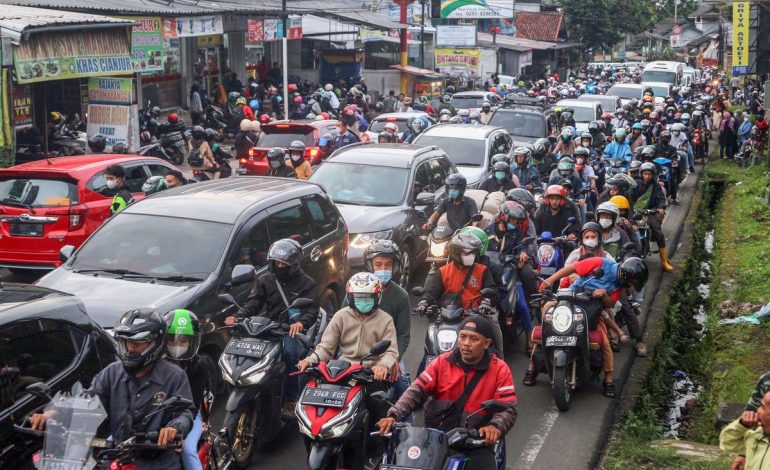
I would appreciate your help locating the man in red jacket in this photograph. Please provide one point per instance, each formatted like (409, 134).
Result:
(456, 383)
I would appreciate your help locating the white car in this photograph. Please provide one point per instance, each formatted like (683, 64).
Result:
(660, 91)
(472, 100)
(399, 119)
(609, 102)
(626, 92)
(584, 111)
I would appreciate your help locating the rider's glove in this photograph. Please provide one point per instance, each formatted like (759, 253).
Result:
(422, 308)
(486, 308)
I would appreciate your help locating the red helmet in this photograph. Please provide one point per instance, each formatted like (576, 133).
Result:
(297, 99)
(606, 117)
(678, 116)
(173, 118)
(555, 190)
(325, 115)
(264, 119)
(292, 88)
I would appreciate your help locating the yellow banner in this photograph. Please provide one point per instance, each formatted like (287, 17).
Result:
(458, 62)
(741, 37)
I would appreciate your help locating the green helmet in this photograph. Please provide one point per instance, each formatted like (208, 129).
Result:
(154, 184)
(241, 101)
(481, 235)
(184, 334)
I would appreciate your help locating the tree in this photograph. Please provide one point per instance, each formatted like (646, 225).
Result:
(600, 24)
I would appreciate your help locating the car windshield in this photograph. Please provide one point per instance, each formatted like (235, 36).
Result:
(283, 139)
(659, 76)
(625, 92)
(38, 192)
(606, 101)
(362, 185)
(463, 102)
(467, 152)
(659, 90)
(520, 124)
(148, 245)
(583, 113)
(379, 124)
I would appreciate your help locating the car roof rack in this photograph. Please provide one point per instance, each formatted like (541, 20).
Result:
(526, 101)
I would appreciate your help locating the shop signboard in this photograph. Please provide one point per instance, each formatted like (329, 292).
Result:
(109, 109)
(458, 62)
(466, 9)
(456, 35)
(146, 44)
(22, 107)
(255, 31)
(271, 26)
(525, 59)
(741, 13)
(110, 91)
(295, 27)
(192, 26)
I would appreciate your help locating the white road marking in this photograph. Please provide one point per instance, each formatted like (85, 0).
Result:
(532, 449)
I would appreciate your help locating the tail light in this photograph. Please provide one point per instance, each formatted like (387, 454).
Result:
(242, 161)
(196, 172)
(365, 138)
(77, 217)
(312, 152)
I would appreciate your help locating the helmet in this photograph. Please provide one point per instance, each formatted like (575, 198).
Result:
(183, 327)
(633, 271)
(555, 190)
(297, 100)
(510, 210)
(501, 166)
(143, 325)
(566, 134)
(463, 242)
(291, 87)
(565, 166)
(233, 95)
(384, 138)
(523, 197)
(541, 147)
(637, 125)
(500, 157)
(119, 147)
(481, 235)
(276, 154)
(383, 247)
(97, 143)
(648, 166)
(154, 184)
(378, 106)
(620, 132)
(445, 111)
(254, 105)
(591, 227)
(326, 143)
(199, 133)
(418, 125)
(486, 105)
(609, 208)
(648, 153)
(621, 111)
(245, 125)
(646, 124)
(677, 127)
(619, 182)
(581, 152)
(457, 181)
(391, 126)
(173, 118)
(297, 146)
(606, 117)
(621, 202)
(364, 287)
(211, 134)
(522, 151)
(286, 251)
(55, 117)
(264, 119)
(474, 116)
(665, 135)
(566, 183)
(155, 111)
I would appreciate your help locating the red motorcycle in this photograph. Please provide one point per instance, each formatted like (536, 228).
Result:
(333, 416)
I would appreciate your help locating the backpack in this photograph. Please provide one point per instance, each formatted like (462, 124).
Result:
(236, 115)
(195, 160)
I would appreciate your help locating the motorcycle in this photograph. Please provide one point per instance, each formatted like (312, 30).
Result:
(251, 363)
(698, 144)
(509, 320)
(429, 449)
(333, 416)
(551, 251)
(615, 166)
(220, 156)
(640, 217)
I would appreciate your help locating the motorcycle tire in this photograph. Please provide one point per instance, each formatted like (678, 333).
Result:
(177, 156)
(562, 395)
(241, 427)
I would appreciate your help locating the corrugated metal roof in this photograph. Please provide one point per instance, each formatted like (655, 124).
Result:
(14, 20)
(156, 7)
(513, 43)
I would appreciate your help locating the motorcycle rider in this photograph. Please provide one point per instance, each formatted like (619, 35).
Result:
(116, 185)
(416, 126)
(566, 143)
(523, 168)
(619, 121)
(174, 178)
(499, 180)
(246, 139)
(97, 143)
(173, 125)
(648, 194)
(298, 161)
(132, 387)
(542, 158)
(637, 138)
(456, 383)
(566, 170)
(554, 214)
(458, 207)
(486, 112)
(278, 167)
(618, 148)
(275, 290)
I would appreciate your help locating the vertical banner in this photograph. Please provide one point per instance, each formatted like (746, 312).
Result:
(146, 44)
(22, 106)
(109, 101)
(295, 27)
(255, 30)
(741, 11)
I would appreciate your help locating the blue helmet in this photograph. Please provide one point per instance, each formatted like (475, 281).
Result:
(254, 105)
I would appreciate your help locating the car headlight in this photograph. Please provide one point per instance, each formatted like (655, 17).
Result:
(562, 319)
(437, 250)
(362, 240)
(446, 339)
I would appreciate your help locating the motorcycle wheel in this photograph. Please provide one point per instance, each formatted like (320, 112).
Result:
(562, 394)
(177, 156)
(241, 427)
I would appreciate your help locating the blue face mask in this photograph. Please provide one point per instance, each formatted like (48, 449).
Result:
(384, 275)
(510, 227)
(454, 193)
(364, 305)
(294, 313)
(500, 175)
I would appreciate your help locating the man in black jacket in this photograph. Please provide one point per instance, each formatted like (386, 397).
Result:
(275, 291)
(648, 194)
(553, 216)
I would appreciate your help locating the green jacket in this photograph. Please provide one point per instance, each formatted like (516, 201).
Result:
(753, 443)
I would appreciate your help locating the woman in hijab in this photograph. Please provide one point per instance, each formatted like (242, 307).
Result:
(726, 136)
(744, 133)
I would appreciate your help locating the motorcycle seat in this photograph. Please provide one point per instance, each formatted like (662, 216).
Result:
(595, 337)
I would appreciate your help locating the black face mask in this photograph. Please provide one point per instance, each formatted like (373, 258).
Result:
(283, 274)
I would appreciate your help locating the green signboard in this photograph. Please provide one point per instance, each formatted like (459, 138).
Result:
(61, 68)
(146, 43)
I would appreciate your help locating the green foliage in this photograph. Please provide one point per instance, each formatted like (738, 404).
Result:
(7, 157)
(600, 24)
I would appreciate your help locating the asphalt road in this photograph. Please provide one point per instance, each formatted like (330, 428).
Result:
(543, 438)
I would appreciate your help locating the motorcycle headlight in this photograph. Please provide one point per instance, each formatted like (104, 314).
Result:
(227, 371)
(337, 425)
(362, 240)
(437, 250)
(256, 373)
(446, 340)
(562, 319)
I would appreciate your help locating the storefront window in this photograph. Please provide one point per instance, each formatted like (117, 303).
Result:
(164, 89)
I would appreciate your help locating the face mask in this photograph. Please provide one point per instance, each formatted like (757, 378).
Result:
(364, 305)
(176, 351)
(468, 260)
(275, 164)
(283, 274)
(112, 184)
(605, 223)
(384, 275)
(454, 193)
(591, 243)
(296, 157)
(509, 226)
(500, 175)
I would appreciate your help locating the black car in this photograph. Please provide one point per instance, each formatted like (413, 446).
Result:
(386, 191)
(178, 249)
(45, 336)
(526, 120)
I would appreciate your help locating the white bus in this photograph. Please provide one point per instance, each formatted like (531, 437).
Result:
(664, 71)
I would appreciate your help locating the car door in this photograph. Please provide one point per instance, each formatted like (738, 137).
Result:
(250, 246)
(99, 208)
(290, 220)
(329, 243)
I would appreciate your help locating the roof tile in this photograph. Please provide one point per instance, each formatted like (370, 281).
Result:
(539, 26)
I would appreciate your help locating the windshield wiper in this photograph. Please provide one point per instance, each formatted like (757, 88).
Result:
(178, 278)
(122, 272)
(19, 203)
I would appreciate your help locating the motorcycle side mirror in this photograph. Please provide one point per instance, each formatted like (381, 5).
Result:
(39, 389)
(638, 216)
(242, 274)
(226, 299)
(476, 218)
(590, 216)
(493, 406)
(630, 246)
(424, 199)
(302, 302)
(379, 347)
(598, 273)
(572, 220)
(489, 293)
(418, 291)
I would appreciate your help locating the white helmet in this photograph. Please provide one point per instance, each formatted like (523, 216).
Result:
(364, 292)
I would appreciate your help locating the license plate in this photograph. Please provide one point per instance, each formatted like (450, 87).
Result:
(240, 171)
(394, 467)
(245, 348)
(60, 464)
(324, 397)
(21, 229)
(547, 270)
(561, 341)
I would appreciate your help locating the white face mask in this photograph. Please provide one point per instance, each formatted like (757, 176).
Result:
(591, 243)
(468, 260)
(605, 223)
(176, 351)
(112, 184)
(296, 157)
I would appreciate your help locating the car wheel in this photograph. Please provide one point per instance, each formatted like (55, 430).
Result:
(406, 268)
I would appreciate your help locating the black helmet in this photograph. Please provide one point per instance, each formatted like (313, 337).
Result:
(500, 157)
(297, 146)
(199, 133)
(648, 153)
(211, 134)
(286, 251)
(581, 152)
(326, 143)
(155, 111)
(384, 138)
(501, 166)
(383, 248)
(119, 147)
(619, 182)
(566, 183)
(378, 106)
(523, 197)
(457, 181)
(633, 271)
(97, 143)
(541, 147)
(140, 325)
(277, 155)
(183, 327)
(591, 226)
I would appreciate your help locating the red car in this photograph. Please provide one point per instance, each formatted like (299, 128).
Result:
(283, 133)
(47, 204)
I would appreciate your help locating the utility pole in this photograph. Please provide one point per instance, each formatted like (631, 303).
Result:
(422, 34)
(285, 60)
(404, 33)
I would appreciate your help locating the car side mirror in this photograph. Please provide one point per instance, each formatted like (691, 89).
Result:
(65, 253)
(242, 273)
(226, 299)
(39, 389)
(379, 347)
(424, 199)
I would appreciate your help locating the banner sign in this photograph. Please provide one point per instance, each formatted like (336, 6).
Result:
(255, 30)
(192, 26)
(146, 44)
(464, 9)
(456, 35)
(741, 38)
(271, 28)
(295, 27)
(458, 62)
(525, 59)
(110, 91)
(22, 106)
(110, 121)
(61, 68)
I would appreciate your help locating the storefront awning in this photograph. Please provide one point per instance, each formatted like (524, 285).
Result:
(18, 22)
(521, 44)
(425, 73)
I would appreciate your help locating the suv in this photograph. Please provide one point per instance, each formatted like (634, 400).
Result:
(472, 100)
(399, 119)
(526, 120)
(585, 111)
(47, 204)
(282, 134)
(386, 191)
(45, 336)
(470, 147)
(181, 247)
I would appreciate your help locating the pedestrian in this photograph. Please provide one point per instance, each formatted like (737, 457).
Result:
(196, 106)
(749, 437)
(726, 136)
(275, 74)
(234, 85)
(389, 103)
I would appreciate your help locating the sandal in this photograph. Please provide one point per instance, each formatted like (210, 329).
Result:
(529, 378)
(615, 346)
(609, 389)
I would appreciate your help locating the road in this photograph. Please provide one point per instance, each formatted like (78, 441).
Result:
(543, 438)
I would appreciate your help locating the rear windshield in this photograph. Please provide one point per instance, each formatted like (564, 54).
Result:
(659, 76)
(466, 102)
(625, 92)
(520, 124)
(276, 138)
(379, 126)
(37, 192)
(583, 113)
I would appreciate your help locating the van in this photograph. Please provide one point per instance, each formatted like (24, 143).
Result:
(664, 71)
